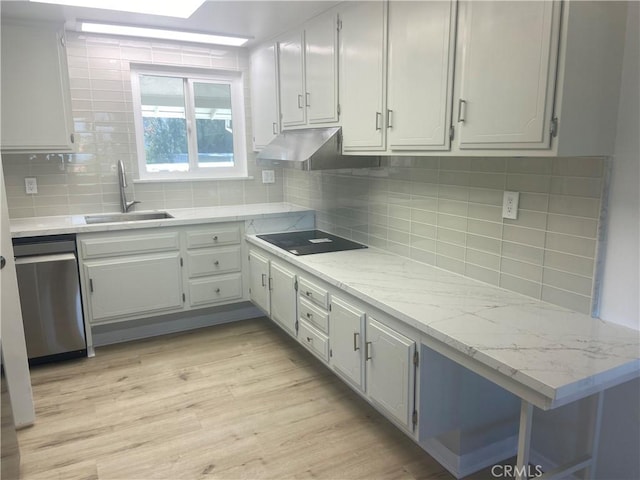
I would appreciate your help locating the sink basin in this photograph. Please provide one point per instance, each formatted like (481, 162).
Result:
(125, 217)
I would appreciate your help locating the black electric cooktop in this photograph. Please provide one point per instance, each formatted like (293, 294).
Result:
(310, 241)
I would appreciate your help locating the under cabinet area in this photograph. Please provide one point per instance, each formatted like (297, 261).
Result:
(141, 273)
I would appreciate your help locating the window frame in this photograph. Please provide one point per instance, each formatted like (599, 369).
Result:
(235, 80)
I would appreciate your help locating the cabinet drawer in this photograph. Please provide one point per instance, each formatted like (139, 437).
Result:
(213, 261)
(216, 289)
(312, 314)
(314, 340)
(128, 244)
(212, 237)
(314, 293)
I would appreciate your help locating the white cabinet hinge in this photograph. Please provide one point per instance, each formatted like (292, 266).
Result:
(452, 132)
(330, 353)
(338, 109)
(184, 298)
(270, 283)
(181, 262)
(416, 358)
(295, 285)
(414, 418)
(554, 127)
(339, 24)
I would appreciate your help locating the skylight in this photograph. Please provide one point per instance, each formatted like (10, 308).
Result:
(174, 8)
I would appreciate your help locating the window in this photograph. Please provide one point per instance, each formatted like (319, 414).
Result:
(189, 126)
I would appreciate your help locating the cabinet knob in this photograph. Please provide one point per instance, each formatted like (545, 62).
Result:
(217, 290)
(309, 315)
(309, 339)
(215, 238)
(216, 263)
(308, 294)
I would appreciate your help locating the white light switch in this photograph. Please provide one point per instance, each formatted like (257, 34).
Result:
(30, 185)
(268, 176)
(510, 205)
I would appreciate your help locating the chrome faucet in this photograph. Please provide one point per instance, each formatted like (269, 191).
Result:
(122, 180)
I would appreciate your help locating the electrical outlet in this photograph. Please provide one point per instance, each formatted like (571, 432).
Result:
(268, 176)
(510, 205)
(30, 185)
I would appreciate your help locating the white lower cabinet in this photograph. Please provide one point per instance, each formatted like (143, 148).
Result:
(352, 338)
(346, 327)
(272, 288)
(131, 286)
(128, 275)
(283, 297)
(390, 371)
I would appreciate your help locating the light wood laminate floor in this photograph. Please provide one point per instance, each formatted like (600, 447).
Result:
(236, 401)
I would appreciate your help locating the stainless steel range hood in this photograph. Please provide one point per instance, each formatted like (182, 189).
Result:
(311, 149)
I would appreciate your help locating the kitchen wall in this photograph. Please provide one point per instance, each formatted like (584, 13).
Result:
(85, 182)
(447, 212)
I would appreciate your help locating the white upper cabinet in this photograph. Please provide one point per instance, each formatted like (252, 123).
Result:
(36, 100)
(362, 77)
(264, 96)
(507, 69)
(292, 89)
(420, 74)
(308, 73)
(321, 60)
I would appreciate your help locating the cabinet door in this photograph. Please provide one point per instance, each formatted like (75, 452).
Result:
(283, 297)
(362, 75)
(259, 281)
(390, 371)
(292, 98)
(264, 96)
(131, 286)
(321, 73)
(346, 324)
(420, 72)
(36, 99)
(508, 61)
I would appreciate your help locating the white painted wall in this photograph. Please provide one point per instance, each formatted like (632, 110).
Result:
(620, 436)
(620, 302)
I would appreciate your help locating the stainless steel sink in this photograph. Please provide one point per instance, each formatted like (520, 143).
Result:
(125, 217)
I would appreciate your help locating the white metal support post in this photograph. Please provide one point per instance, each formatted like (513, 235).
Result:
(524, 440)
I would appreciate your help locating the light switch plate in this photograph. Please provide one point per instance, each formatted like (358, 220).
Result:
(30, 185)
(510, 205)
(268, 176)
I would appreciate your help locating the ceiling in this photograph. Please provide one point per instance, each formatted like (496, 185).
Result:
(260, 20)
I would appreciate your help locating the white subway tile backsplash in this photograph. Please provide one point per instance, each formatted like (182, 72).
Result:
(463, 226)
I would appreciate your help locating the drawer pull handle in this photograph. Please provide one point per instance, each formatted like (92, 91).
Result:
(462, 110)
(217, 290)
(308, 294)
(309, 315)
(356, 347)
(309, 339)
(264, 279)
(215, 238)
(367, 350)
(216, 263)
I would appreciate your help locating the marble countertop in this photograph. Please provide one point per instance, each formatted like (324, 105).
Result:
(55, 225)
(535, 349)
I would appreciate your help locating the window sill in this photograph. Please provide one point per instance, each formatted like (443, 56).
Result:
(187, 179)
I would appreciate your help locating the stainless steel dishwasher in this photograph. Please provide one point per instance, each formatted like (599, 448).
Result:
(49, 286)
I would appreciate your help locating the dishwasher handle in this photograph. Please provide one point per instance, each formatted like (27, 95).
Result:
(59, 257)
